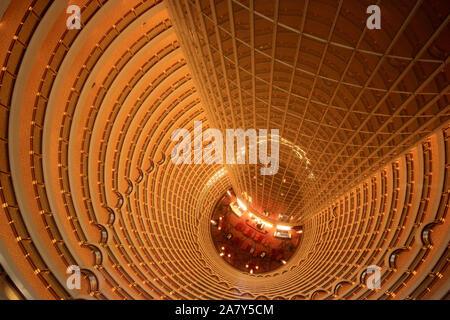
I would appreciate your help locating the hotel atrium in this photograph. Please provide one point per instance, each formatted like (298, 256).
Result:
(89, 104)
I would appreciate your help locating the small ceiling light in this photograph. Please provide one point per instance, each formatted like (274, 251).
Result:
(283, 261)
(285, 228)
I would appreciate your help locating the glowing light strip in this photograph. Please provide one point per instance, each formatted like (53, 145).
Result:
(241, 204)
(267, 224)
(235, 209)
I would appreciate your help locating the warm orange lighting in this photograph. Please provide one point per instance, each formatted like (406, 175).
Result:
(241, 204)
(361, 130)
(235, 208)
(267, 224)
(285, 228)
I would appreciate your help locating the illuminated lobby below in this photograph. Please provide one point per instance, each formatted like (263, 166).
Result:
(247, 242)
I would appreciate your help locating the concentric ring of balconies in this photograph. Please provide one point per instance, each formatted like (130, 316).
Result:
(86, 177)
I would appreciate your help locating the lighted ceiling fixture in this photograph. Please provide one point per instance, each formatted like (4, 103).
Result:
(246, 196)
(285, 228)
(258, 220)
(267, 224)
(236, 210)
(241, 204)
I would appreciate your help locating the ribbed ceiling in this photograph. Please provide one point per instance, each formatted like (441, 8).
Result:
(344, 98)
(86, 118)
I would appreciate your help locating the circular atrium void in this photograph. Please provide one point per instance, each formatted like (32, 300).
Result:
(248, 242)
